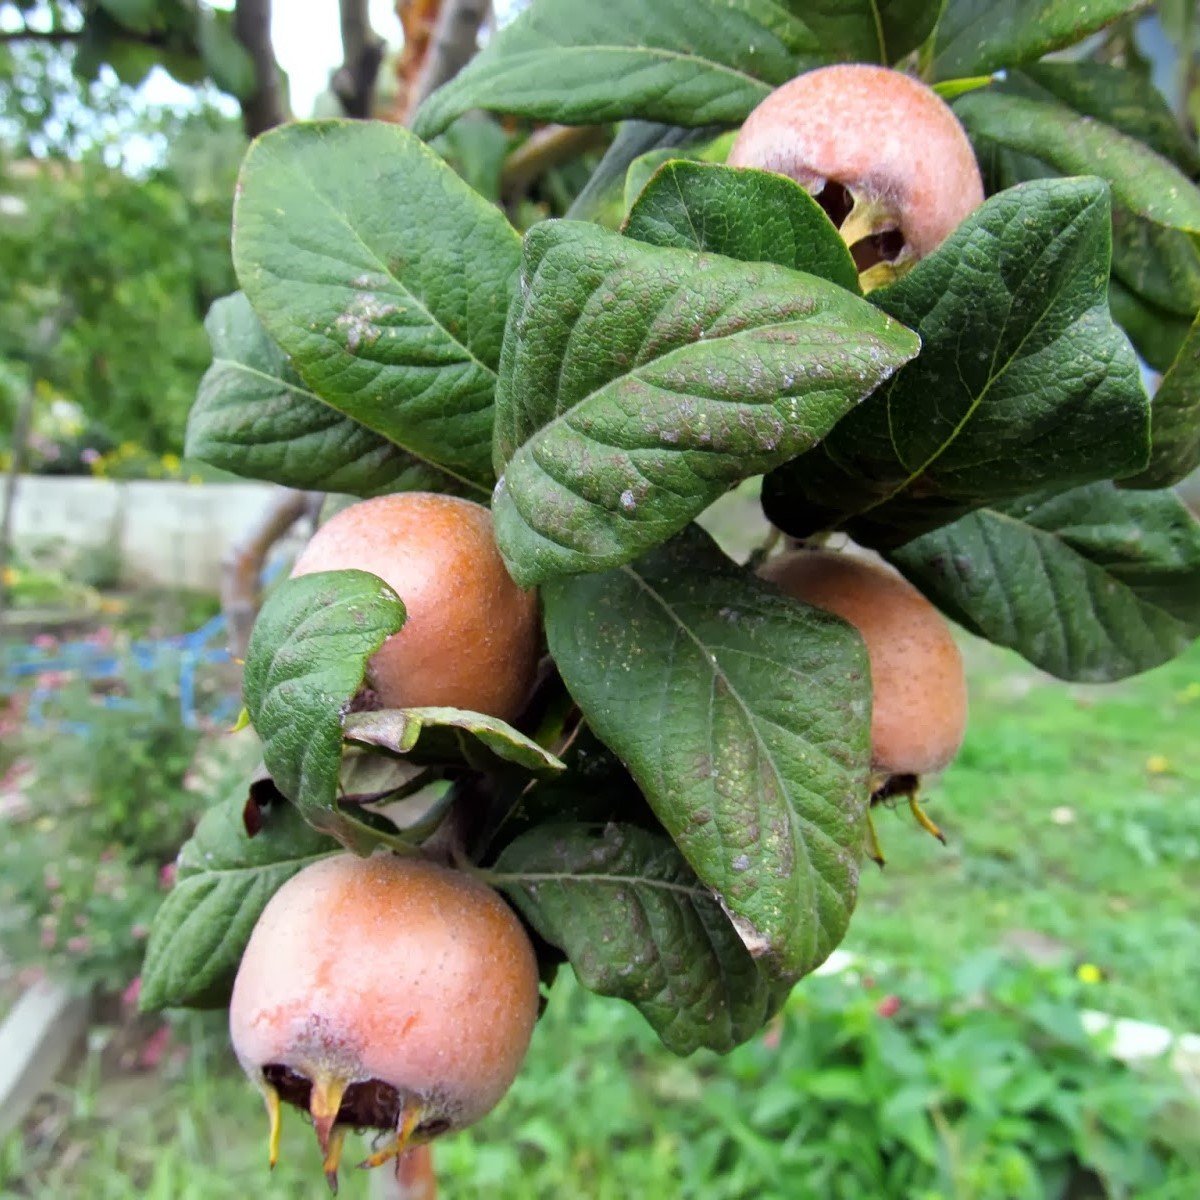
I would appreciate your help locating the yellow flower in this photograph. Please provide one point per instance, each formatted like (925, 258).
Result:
(1088, 973)
(170, 462)
(127, 449)
(1158, 764)
(11, 576)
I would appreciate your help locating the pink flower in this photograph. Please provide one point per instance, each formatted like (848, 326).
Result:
(166, 874)
(888, 1007)
(89, 455)
(129, 997)
(45, 641)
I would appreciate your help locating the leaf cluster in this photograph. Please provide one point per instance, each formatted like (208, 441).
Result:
(681, 810)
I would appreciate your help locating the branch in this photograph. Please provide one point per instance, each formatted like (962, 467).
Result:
(252, 26)
(43, 35)
(452, 46)
(242, 565)
(353, 82)
(547, 147)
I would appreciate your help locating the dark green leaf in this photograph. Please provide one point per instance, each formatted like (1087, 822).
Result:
(638, 384)
(1141, 180)
(743, 716)
(449, 736)
(306, 661)
(225, 878)
(882, 31)
(1175, 421)
(1157, 335)
(1091, 584)
(753, 216)
(384, 277)
(686, 62)
(1023, 380)
(601, 198)
(975, 36)
(253, 416)
(1123, 99)
(637, 924)
(1160, 265)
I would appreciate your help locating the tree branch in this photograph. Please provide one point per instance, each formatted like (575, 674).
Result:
(550, 146)
(252, 26)
(40, 35)
(242, 565)
(452, 46)
(362, 52)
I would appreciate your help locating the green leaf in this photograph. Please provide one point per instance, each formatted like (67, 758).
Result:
(638, 384)
(601, 198)
(449, 736)
(224, 880)
(306, 661)
(1023, 380)
(1091, 584)
(744, 718)
(637, 924)
(715, 150)
(1160, 265)
(1123, 99)
(974, 36)
(1156, 334)
(475, 146)
(685, 62)
(1175, 421)
(253, 416)
(753, 216)
(881, 31)
(384, 277)
(227, 61)
(1141, 180)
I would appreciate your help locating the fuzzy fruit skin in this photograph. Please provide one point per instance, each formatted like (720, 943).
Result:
(391, 969)
(471, 638)
(919, 691)
(879, 133)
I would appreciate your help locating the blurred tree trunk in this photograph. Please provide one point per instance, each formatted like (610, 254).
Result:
(267, 107)
(362, 53)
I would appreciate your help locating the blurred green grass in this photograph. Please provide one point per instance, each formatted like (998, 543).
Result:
(1073, 822)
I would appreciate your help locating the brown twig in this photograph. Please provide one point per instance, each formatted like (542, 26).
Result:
(242, 565)
(548, 147)
(450, 49)
(353, 82)
(252, 27)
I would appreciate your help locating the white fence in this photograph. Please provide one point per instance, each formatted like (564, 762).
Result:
(164, 533)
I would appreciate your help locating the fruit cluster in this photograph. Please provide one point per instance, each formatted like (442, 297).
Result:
(571, 701)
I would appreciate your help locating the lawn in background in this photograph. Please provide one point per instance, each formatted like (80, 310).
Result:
(1073, 822)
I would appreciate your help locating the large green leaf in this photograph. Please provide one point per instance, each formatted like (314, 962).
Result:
(1160, 265)
(1023, 381)
(637, 384)
(1175, 421)
(1126, 100)
(306, 661)
(1141, 180)
(223, 882)
(636, 923)
(255, 417)
(976, 36)
(882, 31)
(1157, 335)
(1092, 584)
(384, 277)
(743, 716)
(686, 62)
(753, 216)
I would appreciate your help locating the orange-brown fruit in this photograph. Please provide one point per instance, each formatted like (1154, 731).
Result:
(882, 153)
(388, 993)
(471, 637)
(919, 692)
